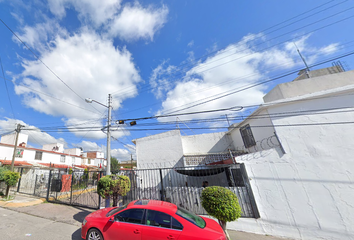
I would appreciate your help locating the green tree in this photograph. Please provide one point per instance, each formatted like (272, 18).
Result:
(115, 166)
(3, 170)
(113, 186)
(221, 203)
(10, 179)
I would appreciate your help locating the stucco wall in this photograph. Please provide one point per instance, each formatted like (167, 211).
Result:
(306, 193)
(262, 129)
(10, 139)
(206, 143)
(160, 150)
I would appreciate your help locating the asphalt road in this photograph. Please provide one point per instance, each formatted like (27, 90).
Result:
(17, 226)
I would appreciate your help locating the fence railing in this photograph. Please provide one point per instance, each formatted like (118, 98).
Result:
(181, 186)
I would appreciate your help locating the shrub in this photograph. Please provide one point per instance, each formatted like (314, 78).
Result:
(113, 185)
(222, 204)
(2, 173)
(11, 178)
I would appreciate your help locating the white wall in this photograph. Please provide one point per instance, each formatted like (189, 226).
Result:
(160, 150)
(49, 147)
(73, 151)
(10, 139)
(206, 143)
(262, 129)
(306, 193)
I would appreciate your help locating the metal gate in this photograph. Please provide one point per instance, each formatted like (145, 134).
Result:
(183, 186)
(77, 189)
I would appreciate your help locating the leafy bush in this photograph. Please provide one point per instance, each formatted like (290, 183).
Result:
(222, 204)
(113, 185)
(3, 170)
(11, 178)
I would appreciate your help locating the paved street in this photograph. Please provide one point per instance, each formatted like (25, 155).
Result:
(17, 226)
(28, 218)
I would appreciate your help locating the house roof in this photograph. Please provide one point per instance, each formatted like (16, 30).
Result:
(40, 150)
(17, 163)
(315, 95)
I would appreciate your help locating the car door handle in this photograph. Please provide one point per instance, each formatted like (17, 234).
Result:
(136, 231)
(170, 237)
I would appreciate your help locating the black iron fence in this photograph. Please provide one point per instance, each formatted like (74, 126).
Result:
(181, 186)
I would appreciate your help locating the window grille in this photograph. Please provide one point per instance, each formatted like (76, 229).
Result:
(247, 136)
(38, 155)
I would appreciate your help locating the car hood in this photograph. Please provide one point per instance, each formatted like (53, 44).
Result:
(102, 213)
(212, 225)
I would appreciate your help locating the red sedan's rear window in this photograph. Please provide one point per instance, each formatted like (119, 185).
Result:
(115, 210)
(196, 220)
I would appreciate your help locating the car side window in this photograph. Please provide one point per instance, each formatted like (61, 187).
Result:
(160, 219)
(130, 216)
(176, 225)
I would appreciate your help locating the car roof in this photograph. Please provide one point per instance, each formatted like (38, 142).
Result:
(157, 205)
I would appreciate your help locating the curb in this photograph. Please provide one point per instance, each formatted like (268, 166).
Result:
(10, 204)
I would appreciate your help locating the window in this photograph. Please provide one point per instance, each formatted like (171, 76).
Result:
(196, 220)
(88, 161)
(115, 210)
(158, 219)
(38, 155)
(131, 216)
(247, 136)
(62, 158)
(19, 153)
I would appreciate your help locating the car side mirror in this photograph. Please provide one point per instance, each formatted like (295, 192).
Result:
(111, 219)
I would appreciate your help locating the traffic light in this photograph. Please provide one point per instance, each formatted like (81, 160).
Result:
(132, 123)
(121, 122)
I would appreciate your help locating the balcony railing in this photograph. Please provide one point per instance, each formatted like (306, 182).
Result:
(208, 159)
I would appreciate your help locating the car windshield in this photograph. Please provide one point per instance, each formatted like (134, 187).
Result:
(196, 220)
(115, 210)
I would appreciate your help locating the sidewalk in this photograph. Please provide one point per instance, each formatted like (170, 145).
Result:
(75, 215)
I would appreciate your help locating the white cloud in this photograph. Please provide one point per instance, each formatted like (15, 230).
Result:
(40, 35)
(190, 44)
(35, 135)
(229, 70)
(136, 22)
(131, 22)
(90, 65)
(97, 12)
(159, 79)
(91, 146)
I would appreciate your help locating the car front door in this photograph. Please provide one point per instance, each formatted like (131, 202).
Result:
(160, 226)
(126, 225)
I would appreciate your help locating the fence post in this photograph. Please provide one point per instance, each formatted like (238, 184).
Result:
(99, 196)
(71, 186)
(35, 185)
(162, 189)
(49, 179)
(19, 181)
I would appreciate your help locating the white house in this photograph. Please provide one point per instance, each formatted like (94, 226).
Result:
(298, 154)
(304, 186)
(51, 155)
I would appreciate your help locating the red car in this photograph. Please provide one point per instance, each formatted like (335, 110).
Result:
(149, 220)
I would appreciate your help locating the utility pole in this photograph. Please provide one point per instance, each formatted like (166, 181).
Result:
(108, 169)
(131, 161)
(18, 129)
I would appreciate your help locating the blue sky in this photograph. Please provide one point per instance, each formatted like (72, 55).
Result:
(155, 58)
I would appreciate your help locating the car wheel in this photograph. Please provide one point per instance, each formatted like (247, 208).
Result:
(94, 234)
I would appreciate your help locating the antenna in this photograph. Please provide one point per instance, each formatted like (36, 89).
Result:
(307, 67)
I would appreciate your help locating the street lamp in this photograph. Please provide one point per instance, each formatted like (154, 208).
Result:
(89, 100)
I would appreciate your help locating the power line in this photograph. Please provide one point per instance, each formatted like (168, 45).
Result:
(278, 37)
(7, 90)
(50, 96)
